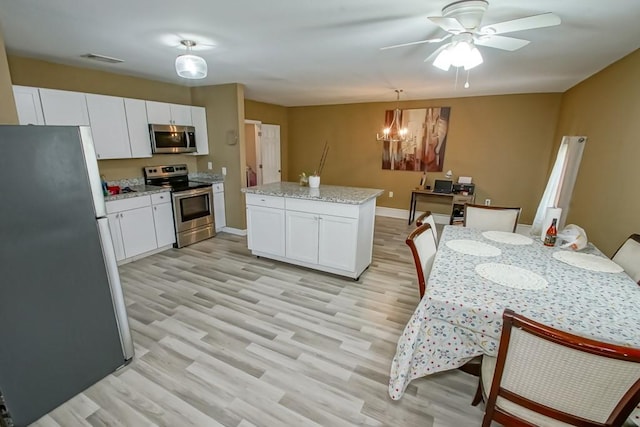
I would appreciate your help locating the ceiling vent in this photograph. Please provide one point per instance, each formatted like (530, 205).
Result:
(102, 58)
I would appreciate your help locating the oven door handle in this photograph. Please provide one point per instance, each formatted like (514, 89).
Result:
(191, 193)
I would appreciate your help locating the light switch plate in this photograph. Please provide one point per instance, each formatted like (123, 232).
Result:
(209, 165)
(224, 170)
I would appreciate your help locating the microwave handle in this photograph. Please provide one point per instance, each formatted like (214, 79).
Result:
(186, 132)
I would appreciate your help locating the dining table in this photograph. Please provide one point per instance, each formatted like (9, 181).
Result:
(477, 274)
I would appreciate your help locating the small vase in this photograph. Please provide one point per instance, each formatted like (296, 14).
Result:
(314, 181)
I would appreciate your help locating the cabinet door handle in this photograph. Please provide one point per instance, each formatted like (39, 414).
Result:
(155, 208)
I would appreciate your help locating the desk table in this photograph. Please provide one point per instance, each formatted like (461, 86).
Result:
(414, 200)
(460, 315)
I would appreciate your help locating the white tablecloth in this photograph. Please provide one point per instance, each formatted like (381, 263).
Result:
(460, 316)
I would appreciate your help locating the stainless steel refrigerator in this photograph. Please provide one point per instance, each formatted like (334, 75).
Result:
(63, 322)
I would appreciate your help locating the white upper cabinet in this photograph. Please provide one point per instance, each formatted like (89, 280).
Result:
(199, 116)
(28, 105)
(136, 110)
(163, 113)
(64, 108)
(109, 126)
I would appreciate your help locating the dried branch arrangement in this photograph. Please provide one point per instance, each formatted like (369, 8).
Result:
(322, 159)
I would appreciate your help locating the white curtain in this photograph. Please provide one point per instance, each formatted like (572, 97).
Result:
(561, 181)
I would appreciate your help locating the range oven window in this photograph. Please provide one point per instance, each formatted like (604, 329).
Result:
(194, 207)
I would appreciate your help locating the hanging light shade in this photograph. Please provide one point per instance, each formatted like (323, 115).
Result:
(191, 66)
(395, 132)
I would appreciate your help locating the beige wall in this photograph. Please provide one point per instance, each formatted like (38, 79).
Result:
(225, 123)
(250, 141)
(8, 113)
(273, 115)
(606, 109)
(33, 72)
(503, 142)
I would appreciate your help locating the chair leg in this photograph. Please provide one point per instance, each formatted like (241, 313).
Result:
(478, 397)
(473, 366)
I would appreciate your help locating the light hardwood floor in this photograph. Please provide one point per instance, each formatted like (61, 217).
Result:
(223, 338)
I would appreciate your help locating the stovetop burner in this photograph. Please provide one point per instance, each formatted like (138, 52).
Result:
(174, 176)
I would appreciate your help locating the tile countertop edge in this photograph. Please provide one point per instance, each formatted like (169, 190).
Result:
(326, 193)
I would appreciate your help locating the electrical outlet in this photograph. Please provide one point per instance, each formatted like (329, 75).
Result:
(209, 165)
(390, 194)
(487, 202)
(224, 170)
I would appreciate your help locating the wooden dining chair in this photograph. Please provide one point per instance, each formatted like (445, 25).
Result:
(427, 217)
(543, 376)
(628, 257)
(422, 243)
(491, 218)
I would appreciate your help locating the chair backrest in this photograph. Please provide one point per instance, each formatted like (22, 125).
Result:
(491, 218)
(544, 375)
(427, 217)
(628, 257)
(422, 243)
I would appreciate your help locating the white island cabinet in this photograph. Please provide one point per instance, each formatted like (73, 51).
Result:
(328, 229)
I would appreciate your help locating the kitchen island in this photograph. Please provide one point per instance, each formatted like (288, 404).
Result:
(328, 228)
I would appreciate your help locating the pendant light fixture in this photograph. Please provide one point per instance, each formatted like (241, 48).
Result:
(395, 132)
(191, 66)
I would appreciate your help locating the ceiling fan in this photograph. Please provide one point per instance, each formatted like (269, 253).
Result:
(462, 19)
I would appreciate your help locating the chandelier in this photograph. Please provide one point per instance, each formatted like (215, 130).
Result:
(191, 66)
(395, 132)
(461, 52)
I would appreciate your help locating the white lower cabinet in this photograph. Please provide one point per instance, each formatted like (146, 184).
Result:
(265, 228)
(327, 236)
(163, 219)
(138, 227)
(302, 236)
(337, 239)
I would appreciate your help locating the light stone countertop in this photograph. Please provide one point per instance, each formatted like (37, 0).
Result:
(139, 190)
(326, 193)
(210, 178)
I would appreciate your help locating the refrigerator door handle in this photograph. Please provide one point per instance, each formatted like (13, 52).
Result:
(116, 288)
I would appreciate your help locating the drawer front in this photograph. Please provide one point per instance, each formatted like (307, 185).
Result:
(265, 201)
(127, 204)
(159, 198)
(218, 188)
(322, 208)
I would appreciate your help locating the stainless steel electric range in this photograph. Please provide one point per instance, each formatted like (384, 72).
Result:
(192, 202)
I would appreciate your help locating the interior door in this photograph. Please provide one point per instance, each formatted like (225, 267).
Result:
(270, 153)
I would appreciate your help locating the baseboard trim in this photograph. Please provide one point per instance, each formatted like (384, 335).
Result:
(236, 231)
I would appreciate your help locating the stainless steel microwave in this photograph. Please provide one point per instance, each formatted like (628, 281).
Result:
(172, 139)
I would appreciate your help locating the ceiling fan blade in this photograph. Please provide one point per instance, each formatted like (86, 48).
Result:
(438, 40)
(451, 25)
(528, 23)
(431, 57)
(501, 42)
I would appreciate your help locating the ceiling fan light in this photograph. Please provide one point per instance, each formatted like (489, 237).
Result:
(460, 51)
(191, 66)
(473, 59)
(443, 60)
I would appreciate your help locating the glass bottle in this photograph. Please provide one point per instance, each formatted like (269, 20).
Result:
(552, 234)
